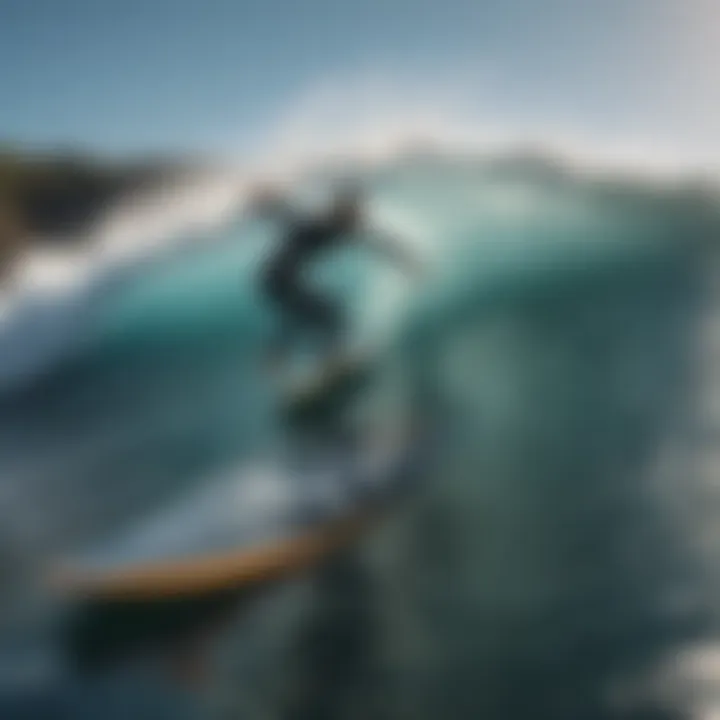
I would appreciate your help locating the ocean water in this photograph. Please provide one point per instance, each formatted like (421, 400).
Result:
(558, 562)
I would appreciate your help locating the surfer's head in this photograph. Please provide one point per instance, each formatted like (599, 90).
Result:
(347, 208)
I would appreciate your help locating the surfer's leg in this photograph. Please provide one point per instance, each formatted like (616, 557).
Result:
(279, 290)
(319, 316)
(303, 311)
(328, 318)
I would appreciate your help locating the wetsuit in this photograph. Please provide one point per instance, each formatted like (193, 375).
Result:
(302, 308)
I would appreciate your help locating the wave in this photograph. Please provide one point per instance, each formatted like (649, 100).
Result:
(181, 263)
(560, 311)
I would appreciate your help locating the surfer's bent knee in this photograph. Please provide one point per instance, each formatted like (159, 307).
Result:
(276, 286)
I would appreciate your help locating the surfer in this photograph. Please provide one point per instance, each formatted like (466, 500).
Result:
(304, 310)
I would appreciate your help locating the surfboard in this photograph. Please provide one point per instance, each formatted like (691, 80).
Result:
(257, 524)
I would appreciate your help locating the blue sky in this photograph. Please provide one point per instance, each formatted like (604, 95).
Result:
(129, 76)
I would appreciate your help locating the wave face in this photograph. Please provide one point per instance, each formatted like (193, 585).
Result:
(547, 568)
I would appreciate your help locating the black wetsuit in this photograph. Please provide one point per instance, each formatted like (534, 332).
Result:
(302, 308)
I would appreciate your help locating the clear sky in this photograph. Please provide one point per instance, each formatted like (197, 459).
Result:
(137, 75)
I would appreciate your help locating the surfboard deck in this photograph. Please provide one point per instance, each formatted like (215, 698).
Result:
(211, 574)
(227, 537)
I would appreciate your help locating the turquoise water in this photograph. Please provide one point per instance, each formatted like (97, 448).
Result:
(553, 335)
